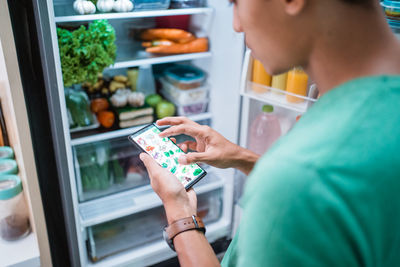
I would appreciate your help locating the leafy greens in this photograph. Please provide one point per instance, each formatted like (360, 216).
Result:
(85, 52)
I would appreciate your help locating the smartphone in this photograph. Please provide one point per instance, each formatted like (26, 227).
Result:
(166, 153)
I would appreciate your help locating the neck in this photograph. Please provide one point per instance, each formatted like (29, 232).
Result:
(352, 46)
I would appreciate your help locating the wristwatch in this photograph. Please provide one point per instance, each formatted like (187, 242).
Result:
(180, 226)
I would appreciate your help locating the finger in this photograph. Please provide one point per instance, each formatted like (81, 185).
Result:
(173, 121)
(194, 157)
(151, 165)
(190, 145)
(191, 130)
(183, 147)
(173, 140)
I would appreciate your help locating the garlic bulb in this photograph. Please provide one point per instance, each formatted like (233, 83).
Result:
(105, 5)
(119, 100)
(123, 5)
(84, 7)
(136, 99)
(125, 92)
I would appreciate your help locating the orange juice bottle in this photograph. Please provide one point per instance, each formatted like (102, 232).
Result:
(296, 84)
(279, 82)
(260, 76)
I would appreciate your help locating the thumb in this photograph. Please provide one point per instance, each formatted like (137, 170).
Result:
(151, 165)
(193, 157)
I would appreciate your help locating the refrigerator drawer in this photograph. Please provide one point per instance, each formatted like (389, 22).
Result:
(107, 167)
(142, 228)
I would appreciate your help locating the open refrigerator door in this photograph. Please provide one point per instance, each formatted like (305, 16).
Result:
(268, 112)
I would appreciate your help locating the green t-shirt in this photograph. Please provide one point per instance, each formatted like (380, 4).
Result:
(328, 193)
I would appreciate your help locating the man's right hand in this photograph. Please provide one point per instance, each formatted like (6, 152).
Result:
(210, 147)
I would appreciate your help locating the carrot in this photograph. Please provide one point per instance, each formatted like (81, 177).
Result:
(157, 43)
(196, 46)
(106, 118)
(175, 35)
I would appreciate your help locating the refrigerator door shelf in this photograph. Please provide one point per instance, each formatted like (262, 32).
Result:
(277, 97)
(124, 132)
(273, 96)
(145, 227)
(133, 201)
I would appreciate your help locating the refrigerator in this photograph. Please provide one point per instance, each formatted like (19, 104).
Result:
(120, 223)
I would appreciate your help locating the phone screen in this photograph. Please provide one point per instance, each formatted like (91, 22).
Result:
(166, 153)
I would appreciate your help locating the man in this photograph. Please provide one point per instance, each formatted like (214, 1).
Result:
(326, 194)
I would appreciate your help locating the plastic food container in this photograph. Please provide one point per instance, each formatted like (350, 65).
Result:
(107, 167)
(183, 97)
(14, 218)
(392, 9)
(151, 4)
(192, 109)
(186, 3)
(185, 77)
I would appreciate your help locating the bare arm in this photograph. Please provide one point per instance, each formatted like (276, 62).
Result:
(193, 249)
(192, 246)
(210, 147)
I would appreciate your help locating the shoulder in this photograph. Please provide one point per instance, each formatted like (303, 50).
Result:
(290, 218)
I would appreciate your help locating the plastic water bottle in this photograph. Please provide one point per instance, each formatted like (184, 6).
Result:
(264, 130)
(146, 83)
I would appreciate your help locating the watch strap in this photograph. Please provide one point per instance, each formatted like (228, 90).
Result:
(183, 225)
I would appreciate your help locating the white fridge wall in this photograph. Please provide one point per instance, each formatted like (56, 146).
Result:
(227, 49)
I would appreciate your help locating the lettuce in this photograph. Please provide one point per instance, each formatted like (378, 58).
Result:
(85, 53)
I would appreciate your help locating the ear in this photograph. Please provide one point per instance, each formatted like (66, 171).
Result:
(294, 7)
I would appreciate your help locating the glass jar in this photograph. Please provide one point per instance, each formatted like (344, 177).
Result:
(14, 216)
(391, 8)
(297, 82)
(260, 77)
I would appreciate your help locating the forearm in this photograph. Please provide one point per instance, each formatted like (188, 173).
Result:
(244, 160)
(191, 246)
(193, 249)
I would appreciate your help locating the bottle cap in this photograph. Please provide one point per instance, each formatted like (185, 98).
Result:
(268, 108)
(10, 186)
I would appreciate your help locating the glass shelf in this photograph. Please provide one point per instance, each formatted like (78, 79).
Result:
(133, 201)
(65, 13)
(105, 134)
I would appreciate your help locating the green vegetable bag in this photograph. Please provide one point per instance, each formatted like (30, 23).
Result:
(79, 107)
(94, 166)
